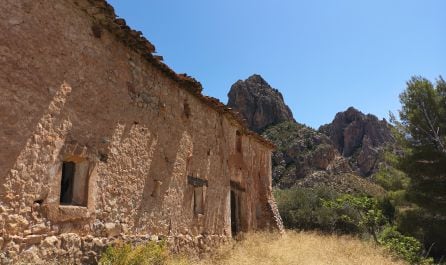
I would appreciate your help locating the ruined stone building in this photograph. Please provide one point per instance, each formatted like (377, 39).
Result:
(99, 140)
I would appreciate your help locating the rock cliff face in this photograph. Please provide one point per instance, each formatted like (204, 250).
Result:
(258, 103)
(307, 158)
(337, 155)
(360, 138)
(300, 152)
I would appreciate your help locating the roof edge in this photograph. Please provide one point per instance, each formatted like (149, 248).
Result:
(104, 15)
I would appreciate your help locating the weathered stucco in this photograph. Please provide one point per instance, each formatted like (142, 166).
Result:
(72, 91)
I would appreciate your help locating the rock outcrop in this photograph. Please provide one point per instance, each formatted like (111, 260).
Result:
(338, 155)
(258, 103)
(360, 138)
(307, 158)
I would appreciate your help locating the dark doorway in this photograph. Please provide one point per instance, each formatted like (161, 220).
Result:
(235, 225)
(66, 188)
(74, 183)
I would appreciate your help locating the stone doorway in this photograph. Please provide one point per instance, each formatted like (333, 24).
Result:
(235, 213)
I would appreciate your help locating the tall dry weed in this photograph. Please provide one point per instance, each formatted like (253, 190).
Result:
(299, 248)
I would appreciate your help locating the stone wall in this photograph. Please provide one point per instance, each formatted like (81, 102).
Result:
(161, 162)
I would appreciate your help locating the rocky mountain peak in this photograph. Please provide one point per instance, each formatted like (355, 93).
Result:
(350, 115)
(258, 103)
(256, 78)
(359, 137)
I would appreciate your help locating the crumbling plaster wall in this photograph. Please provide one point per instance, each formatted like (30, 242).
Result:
(67, 93)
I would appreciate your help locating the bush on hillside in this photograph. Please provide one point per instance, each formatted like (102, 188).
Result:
(388, 208)
(328, 211)
(388, 175)
(303, 209)
(391, 179)
(398, 198)
(429, 229)
(405, 247)
(366, 212)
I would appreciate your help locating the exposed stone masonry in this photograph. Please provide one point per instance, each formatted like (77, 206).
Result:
(103, 13)
(80, 88)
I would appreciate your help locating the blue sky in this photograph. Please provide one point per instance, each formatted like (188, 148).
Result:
(323, 55)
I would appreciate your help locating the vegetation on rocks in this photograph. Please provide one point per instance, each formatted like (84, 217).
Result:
(300, 151)
(389, 176)
(306, 158)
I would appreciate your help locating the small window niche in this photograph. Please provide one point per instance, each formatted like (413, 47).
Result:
(156, 188)
(199, 194)
(74, 182)
(238, 143)
(198, 200)
(186, 109)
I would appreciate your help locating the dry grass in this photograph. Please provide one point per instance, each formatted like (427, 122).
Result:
(298, 248)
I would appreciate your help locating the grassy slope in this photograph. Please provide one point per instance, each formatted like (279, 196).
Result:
(298, 248)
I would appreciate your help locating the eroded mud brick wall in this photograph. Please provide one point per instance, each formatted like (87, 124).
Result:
(98, 140)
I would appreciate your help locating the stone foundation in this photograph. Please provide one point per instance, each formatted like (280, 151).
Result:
(30, 238)
(70, 248)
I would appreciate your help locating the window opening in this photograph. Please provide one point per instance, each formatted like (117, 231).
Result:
(74, 183)
(186, 109)
(198, 200)
(238, 141)
(156, 188)
(66, 190)
(198, 193)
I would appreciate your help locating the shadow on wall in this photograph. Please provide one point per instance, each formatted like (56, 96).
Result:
(18, 125)
(165, 189)
(27, 176)
(137, 163)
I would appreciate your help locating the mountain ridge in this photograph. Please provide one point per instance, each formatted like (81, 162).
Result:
(339, 154)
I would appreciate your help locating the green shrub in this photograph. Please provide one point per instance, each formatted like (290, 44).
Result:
(302, 208)
(429, 229)
(388, 208)
(367, 214)
(388, 175)
(151, 253)
(405, 247)
(398, 198)
(391, 178)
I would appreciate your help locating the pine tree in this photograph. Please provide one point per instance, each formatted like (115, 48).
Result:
(423, 126)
